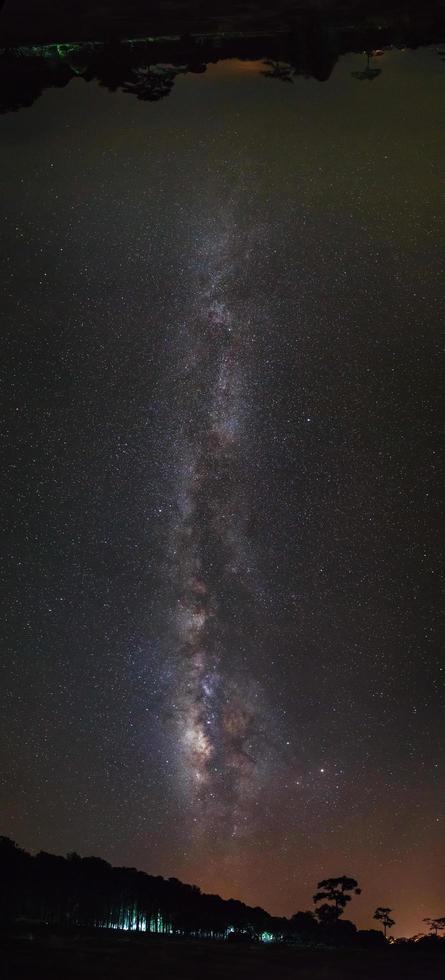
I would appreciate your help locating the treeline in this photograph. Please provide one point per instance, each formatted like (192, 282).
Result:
(148, 69)
(75, 892)
(89, 893)
(47, 891)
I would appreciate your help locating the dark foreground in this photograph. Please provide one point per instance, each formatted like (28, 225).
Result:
(130, 958)
(37, 21)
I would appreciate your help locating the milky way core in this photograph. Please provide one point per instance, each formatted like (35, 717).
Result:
(211, 557)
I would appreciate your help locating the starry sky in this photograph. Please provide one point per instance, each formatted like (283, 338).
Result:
(221, 442)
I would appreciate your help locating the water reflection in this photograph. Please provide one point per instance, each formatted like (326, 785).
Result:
(148, 68)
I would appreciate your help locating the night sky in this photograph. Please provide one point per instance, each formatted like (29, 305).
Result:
(222, 376)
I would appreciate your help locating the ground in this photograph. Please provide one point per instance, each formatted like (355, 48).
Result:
(121, 957)
(33, 21)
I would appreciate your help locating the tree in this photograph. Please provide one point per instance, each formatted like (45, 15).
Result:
(436, 925)
(328, 915)
(334, 890)
(371, 939)
(153, 82)
(382, 914)
(303, 926)
(15, 872)
(278, 69)
(368, 73)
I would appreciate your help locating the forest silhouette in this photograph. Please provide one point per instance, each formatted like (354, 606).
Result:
(148, 69)
(48, 891)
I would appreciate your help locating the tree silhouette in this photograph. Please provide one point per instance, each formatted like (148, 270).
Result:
(367, 74)
(303, 927)
(278, 69)
(335, 891)
(51, 891)
(382, 914)
(147, 69)
(152, 82)
(436, 925)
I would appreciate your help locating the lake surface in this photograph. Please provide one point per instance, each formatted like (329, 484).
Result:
(222, 315)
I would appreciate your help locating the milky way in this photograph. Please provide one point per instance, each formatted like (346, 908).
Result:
(223, 320)
(212, 561)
